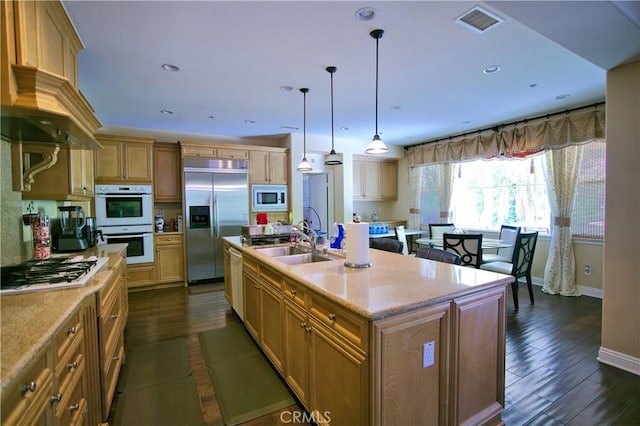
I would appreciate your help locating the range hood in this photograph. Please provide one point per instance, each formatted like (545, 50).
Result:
(48, 108)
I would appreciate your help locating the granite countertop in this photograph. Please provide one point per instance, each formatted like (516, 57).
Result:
(29, 320)
(394, 284)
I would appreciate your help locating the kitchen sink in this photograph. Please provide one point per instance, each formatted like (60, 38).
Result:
(298, 259)
(280, 251)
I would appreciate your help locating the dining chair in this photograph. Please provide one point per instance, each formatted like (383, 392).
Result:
(520, 265)
(386, 244)
(467, 246)
(508, 235)
(402, 237)
(437, 229)
(438, 255)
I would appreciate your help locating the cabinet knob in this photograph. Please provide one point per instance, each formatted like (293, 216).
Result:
(303, 324)
(293, 292)
(72, 330)
(307, 329)
(29, 387)
(115, 358)
(72, 365)
(332, 317)
(74, 407)
(114, 316)
(56, 398)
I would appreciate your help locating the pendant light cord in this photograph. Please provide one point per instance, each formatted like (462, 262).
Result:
(377, 43)
(332, 146)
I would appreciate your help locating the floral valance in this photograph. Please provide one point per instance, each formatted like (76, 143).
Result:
(527, 136)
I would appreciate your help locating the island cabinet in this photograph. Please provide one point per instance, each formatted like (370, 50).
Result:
(375, 180)
(124, 159)
(268, 166)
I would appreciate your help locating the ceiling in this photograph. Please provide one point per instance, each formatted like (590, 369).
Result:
(237, 58)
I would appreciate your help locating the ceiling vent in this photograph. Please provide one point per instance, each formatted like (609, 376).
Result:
(479, 19)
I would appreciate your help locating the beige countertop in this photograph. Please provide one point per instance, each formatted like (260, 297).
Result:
(28, 320)
(392, 285)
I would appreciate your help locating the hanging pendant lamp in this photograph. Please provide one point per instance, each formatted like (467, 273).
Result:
(376, 147)
(332, 159)
(304, 166)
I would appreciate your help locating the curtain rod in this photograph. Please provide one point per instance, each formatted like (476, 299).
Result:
(497, 127)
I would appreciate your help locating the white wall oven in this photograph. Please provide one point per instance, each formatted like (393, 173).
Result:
(124, 214)
(123, 205)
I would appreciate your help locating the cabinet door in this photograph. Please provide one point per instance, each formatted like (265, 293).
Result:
(81, 172)
(271, 325)
(296, 351)
(389, 181)
(167, 180)
(251, 304)
(169, 260)
(338, 385)
(138, 164)
(371, 181)
(228, 294)
(358, 189)
(108, 162)
(259, 167)
(278, 166)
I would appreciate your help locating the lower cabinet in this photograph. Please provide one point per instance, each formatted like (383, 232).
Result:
(169, 260)
(141, 275)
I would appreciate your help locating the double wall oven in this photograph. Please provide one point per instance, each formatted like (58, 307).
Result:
(124, 214)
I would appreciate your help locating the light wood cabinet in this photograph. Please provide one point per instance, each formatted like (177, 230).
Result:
(375, 180)
(169, 258)
(268, 167)
(228, 289)
(124, 159)
(232, 153)
(70, 178)
(167, 173)
(204, 151)
(141, 275)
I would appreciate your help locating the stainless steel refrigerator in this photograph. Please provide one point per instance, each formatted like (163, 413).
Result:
(216, 206)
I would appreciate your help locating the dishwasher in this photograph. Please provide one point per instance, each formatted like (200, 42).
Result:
(237, 289)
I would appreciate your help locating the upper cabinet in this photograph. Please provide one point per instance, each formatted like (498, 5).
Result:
(69, 178)
(375, 180)
(269, 166)
(124, 159)
(167, 182)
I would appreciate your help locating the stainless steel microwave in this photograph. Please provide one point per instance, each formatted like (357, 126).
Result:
(269, 198)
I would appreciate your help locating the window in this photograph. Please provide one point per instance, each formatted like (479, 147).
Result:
(489, 193)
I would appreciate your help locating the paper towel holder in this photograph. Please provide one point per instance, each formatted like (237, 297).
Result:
(358, 265)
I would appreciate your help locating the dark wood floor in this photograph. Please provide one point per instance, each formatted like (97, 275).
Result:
(552, 377)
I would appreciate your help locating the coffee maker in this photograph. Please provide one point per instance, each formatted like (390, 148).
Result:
(71, 236)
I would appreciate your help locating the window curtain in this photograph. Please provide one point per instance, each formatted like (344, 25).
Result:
(445, 174)
(554, 131)
(561, 168)
(415, 192)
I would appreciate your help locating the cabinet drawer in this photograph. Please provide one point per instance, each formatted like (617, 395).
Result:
(198, 151)
(71, 368)
(109, 326)
(170, 239)
(26, 401)
(109, 372)
(295, 293)
(271, 277)
(346, 324)
(70, 334)
(140, 275)
(241, 154)
(249, 265)
(72, 410)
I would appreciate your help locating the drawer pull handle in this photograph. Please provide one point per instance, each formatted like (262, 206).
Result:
(114, 316)
(308, 329)
(56, 398)
(72, 330)
(293, 293)
(29, 387)
(303, 324)
(115, 358)
(332, 317)
(74, 407)
(72, 365)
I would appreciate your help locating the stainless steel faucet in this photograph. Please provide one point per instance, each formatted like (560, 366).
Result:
(303, 232)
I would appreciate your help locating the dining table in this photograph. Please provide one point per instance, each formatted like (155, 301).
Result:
(487, 243)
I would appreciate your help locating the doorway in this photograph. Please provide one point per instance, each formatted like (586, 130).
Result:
(317, 205)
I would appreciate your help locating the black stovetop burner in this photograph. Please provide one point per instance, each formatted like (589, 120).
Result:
(48, 271)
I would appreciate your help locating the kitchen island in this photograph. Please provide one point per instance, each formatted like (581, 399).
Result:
(406, 341)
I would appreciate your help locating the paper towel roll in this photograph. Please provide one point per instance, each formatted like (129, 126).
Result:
(358, 244)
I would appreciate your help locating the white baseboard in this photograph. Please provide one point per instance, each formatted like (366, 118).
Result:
(619, 360)
(584, 291)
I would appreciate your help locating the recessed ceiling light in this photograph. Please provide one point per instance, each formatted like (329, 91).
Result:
(395, 107)
(532, 85)
(365, 14)
(563, 96)
(466, 122)
(286, 88)
(344, 128)
(211, 117)
(249, 121)
(170, 67)
(492, 69)
(290, 127)
(166, 111)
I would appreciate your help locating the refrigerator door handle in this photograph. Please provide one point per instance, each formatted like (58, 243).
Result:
(211, 216)
(217, 221)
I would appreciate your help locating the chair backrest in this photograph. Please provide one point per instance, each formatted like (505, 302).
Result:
(509, 235)
(437, 229)
(402, 237)
(386, 244)
(438, 255)
(523, 254)
(467, 246)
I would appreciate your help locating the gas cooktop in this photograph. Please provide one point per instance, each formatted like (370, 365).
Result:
(49, 274)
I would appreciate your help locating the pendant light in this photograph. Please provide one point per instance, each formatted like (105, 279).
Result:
(376, 146)
(332, 159)
(304, 166)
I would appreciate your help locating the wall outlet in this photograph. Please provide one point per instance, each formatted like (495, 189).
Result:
(428, 354)
(587, 269)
